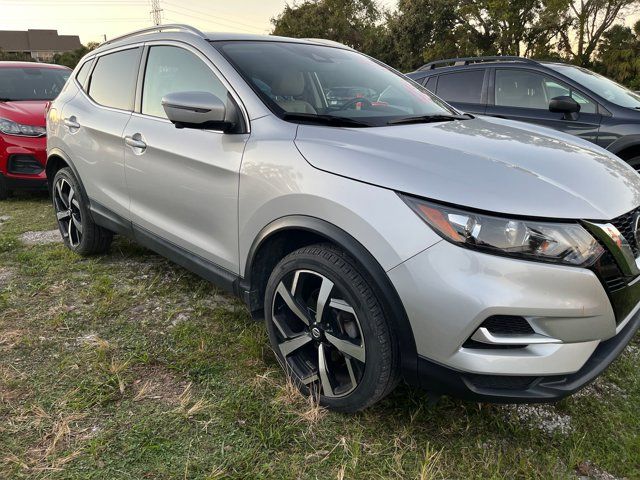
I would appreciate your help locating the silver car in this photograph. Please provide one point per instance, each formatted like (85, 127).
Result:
(388, 237)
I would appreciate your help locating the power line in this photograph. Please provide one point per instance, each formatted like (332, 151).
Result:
(210, 20)
(216, 17)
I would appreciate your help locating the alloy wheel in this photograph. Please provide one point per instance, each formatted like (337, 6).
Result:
(68, 212)
(318, 334)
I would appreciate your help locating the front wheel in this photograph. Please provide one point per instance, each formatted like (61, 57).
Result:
(328, 329)
(78, 230)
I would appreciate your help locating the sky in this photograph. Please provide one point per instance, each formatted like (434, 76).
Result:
(92, 19)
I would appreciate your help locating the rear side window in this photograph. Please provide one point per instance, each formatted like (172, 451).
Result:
(464, 87)
(83, 74)
(113, 81)
(171, 70)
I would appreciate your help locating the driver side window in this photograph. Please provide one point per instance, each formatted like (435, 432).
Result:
(174, 69)
(525, 89)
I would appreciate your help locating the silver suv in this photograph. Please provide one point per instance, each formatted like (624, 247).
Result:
(382, 237)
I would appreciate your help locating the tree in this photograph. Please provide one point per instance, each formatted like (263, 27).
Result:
(15, 57)
(352, 22)
(512, 27)
(619, 55)
(71, 59)
(588, 20)
(420, 31)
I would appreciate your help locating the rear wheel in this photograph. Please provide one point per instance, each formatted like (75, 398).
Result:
(78, 230)
(328, 329)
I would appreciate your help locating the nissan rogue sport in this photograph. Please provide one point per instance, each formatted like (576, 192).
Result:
(384, 237)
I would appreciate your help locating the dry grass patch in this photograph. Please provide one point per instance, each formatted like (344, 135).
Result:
(153, 382)
(11, 338)
(59, 444)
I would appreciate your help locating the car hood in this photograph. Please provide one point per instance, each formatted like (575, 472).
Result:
(486, 163)
(27, 112)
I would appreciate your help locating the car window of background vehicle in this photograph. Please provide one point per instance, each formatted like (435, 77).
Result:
(607, 89)
(463, 87)
(520, 88)
(32, 83)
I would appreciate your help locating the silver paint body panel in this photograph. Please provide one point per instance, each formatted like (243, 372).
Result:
(212, 194)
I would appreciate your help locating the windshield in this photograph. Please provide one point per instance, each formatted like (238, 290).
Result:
(298, 80)
(607, 89)
(31, 83)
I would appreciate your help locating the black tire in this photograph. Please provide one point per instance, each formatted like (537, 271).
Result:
(4, 191)
(363, 382)
(76, 225)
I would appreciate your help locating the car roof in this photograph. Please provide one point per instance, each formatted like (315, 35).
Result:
(7, 64)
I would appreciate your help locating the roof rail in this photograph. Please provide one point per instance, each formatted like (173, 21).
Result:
(469, 60)
(157, 28)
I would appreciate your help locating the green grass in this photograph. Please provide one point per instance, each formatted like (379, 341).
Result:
(127, 366)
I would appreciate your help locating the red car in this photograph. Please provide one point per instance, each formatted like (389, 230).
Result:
(25, 90)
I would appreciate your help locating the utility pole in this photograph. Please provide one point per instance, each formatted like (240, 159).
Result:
(156, 12)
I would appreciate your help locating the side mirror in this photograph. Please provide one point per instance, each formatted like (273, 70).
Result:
(565, 104)
(200, 110)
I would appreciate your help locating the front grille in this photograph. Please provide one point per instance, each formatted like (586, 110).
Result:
(626, 226)
(24, 164)
(609, 273)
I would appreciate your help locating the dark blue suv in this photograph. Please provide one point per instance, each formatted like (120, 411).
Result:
(557, 95)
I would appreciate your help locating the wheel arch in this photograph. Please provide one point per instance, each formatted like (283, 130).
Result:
(56, 160)
(626, 147)
(287, 234)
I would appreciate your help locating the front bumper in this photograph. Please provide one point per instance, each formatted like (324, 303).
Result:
(449, 292)
(16, 153)
(525, 389)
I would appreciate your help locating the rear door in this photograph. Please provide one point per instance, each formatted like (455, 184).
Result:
(524, 95)
(464, 89)
(183, 182)
(93, 124)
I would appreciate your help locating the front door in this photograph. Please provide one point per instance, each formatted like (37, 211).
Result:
(183, 183)
(524, 95)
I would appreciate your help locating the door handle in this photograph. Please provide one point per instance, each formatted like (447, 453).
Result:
(135, 141)
(71, 123)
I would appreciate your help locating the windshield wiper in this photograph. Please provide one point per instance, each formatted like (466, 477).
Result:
(429, 119)
(325, 119)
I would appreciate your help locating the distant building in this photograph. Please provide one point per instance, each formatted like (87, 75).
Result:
(41, 45)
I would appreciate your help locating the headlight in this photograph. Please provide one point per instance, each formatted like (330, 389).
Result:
(9, 127)
(566, 243)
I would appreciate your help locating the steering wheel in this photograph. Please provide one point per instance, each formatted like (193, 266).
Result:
(354, 101)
